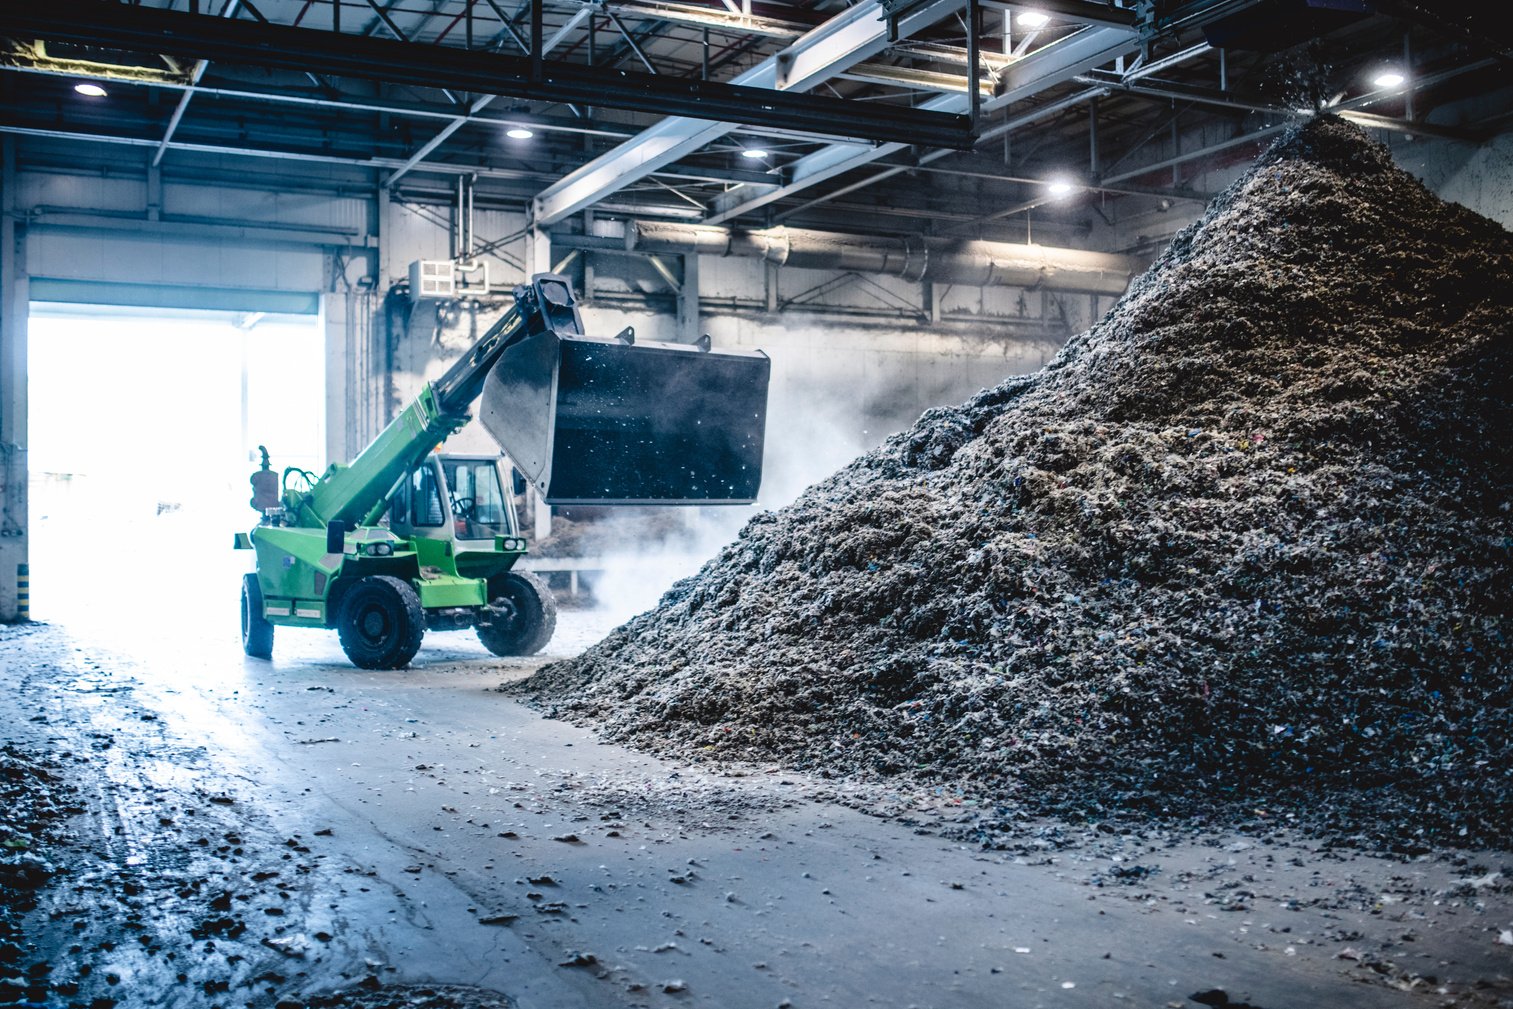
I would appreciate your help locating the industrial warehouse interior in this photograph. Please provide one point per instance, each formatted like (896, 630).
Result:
(927, 504)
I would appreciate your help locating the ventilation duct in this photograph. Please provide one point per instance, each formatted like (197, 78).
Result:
(939, 260)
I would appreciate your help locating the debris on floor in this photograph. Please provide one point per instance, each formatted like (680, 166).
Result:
(443, 996)
(33, 804)
(1238, 556)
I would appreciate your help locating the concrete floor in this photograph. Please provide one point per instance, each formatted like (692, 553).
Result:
(257, 831)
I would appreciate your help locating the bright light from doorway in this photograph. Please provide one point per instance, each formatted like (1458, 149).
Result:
(90, 90)
(1032, 19)
(519, 133)
(161, 464)
(1389, 79)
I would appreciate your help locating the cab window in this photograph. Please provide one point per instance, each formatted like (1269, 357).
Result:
(478, 503)
(425, 498)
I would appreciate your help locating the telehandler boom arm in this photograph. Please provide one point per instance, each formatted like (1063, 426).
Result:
(587, 419)
(356, 493)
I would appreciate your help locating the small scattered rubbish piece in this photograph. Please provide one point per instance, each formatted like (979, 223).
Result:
(291, 945)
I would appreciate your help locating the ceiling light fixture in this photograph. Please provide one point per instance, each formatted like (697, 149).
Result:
(90, 90)
(1060, 189)
(519, 133)
(1032, 19)
(1389, 79)
(753, 153)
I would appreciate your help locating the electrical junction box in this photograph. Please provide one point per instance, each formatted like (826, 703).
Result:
(432, 278)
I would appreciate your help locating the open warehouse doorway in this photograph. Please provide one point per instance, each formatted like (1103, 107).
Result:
(145, 425)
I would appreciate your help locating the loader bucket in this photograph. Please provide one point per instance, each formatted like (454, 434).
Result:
(605, 421)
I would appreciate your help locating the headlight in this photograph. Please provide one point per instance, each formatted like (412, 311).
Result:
(380, 549)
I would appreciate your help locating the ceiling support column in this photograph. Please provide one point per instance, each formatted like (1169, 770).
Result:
(688, 300)
(14, 306)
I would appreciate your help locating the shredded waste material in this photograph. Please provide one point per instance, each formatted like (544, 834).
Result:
(1239, 553)
(33, 805)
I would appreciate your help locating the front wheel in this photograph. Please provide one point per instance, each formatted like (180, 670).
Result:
(521, 616)
(381, 623)
(257, 632)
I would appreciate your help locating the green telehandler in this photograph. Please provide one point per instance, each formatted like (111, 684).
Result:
(404, 539)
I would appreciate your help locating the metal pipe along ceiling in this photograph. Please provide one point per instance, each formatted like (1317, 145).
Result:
(940, 260)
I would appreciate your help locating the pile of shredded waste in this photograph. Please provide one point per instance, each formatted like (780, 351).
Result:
(1241, 551)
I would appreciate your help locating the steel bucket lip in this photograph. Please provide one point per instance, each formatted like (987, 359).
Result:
(668, 345)
(657, 501)
(529, 376)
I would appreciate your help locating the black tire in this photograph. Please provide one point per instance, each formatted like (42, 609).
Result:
(257, 632)
(381, 623)
(521, 616)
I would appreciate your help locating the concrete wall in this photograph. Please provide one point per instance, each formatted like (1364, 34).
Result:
(1478, 177)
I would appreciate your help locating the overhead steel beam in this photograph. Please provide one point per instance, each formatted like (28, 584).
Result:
(535, 178)
(853, 36)
(1017, 122)
(480, 103)
(303, 49)
(1347, 110)
(1082, 11)
(391, 106)
(910, 77)
(229, 11)
(1166, 91)
(1045, 68)
(255, 152)
(734, 23)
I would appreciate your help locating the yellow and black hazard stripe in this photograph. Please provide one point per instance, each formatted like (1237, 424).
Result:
(23, 592)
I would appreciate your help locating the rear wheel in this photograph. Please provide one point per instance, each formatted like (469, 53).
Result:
(521, 615)
(257, 632)
(381, 623)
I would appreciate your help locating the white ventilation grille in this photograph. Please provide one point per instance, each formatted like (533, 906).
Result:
(432, 278)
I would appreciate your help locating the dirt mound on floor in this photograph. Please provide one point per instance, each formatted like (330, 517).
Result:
(1241, 550)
